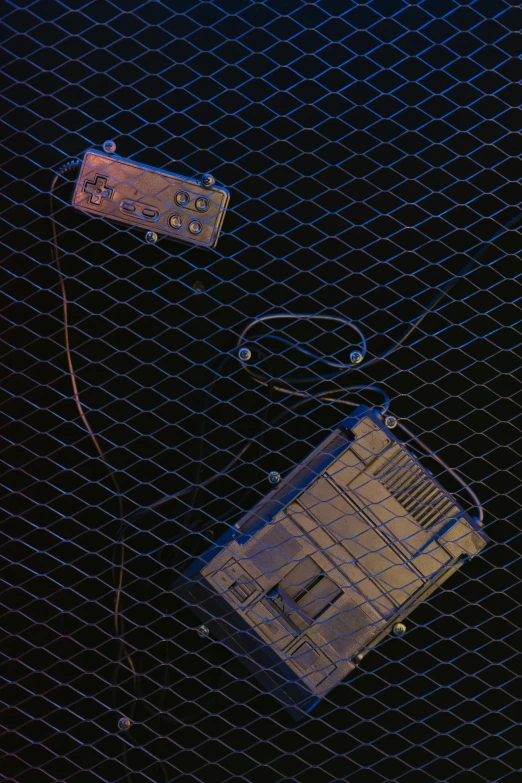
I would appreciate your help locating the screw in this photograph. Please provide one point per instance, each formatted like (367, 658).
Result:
(109, 146)
(274, 477)
(245, 354)
(356, 357)
(390, 422)
(399, 629)
(151, 237)
(207, 180)
(203, 631)
(124, 724)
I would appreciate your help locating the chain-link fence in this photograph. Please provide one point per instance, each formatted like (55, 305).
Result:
(261, 498)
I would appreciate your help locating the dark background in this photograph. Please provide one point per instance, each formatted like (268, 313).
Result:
(370, 149)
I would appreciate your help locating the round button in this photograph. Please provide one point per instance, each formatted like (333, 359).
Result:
(195, 227)
(176, 221)
(182, 198)
(201, 204)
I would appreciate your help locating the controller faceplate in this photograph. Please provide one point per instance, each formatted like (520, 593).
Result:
(149, 198)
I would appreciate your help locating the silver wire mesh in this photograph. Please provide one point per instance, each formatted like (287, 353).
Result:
(371, 150)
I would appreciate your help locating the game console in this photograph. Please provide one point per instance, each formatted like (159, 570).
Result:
(326, 565)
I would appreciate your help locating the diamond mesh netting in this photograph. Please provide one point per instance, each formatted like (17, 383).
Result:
(236, 479)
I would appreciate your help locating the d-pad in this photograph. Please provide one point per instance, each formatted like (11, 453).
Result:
(98, 189)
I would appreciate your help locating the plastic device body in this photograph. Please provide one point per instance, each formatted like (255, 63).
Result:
(323, 567)
(151, 199)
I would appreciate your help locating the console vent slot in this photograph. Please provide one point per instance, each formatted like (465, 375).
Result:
(415, 490)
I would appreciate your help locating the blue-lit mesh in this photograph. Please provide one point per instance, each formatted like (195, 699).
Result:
(371, 150)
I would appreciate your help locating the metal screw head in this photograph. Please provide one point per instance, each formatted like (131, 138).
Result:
(274, 477)
(151, 237)
(399, 629)
(245, 354)
(207, 180)
(356, 357)
(109, 146)
(124, 724)
(203, 631)
(390, 422)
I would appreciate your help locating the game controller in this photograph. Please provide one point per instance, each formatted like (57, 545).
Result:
(160, 202)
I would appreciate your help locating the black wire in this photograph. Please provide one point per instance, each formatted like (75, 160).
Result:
(444, 292)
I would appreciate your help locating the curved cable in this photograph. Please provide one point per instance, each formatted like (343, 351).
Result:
(265, 380)
(360, 364)
(446, 288)
(193, 487)
(71, 166)
(305, 397)
(326, 396)
(307, 317)
(453, 473)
